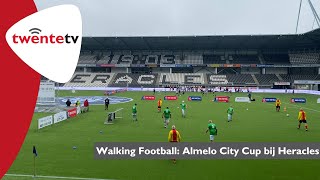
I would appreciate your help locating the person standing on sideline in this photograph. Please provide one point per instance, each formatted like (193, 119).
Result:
(86, 104)
(212, 128)
(106, 103)
(68, 103)
(174, 136)
(78, 103)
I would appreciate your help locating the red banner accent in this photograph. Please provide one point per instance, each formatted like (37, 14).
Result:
(150, 98)
(72, 112)
(170, 98)
(222, 99)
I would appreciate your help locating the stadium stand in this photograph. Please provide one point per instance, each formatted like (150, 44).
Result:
(239, 79)
(104, 60)
(87, 57)
(90, 80)
(192, 59)
(291, 78)
(276, 58)
(244, 59)
(134, 80)
(267, 79)
(305, 58)
(169, 59)
(182, 78)
(213, 59)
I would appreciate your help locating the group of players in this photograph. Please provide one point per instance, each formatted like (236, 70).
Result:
(174, 135)
(302, 116)
(212, 128)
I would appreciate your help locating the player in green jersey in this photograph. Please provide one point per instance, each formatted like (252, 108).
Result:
(183, 109)
(212, 128)
(230, 113)
(166, 115)
(134, 112)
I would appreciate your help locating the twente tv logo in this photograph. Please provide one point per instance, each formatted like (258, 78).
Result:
(49, 41)
(40, 39)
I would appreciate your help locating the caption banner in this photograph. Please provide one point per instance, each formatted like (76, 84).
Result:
(207, 150)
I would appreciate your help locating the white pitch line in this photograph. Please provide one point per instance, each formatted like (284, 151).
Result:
(295, 106)
(53, 177)
(302, 107)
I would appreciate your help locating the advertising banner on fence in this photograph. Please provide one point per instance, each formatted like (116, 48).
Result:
(298, 100)
(45, 121)
(170, 98)
(282, 83)
(221, 99)
(60, 116)
(150, 98)
(242, 99)
(72, 112)
(194, 98)
(46, 93)
(269, 99)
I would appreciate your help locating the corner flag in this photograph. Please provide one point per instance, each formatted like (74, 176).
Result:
(34, 151)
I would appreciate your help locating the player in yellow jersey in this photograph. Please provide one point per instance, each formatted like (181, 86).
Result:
(159, 105)
(278, 104)
(302, 118)
(174, 136)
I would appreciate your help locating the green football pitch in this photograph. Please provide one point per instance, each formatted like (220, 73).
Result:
(252, 122)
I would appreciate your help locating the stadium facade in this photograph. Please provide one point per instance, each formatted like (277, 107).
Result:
(264, 61)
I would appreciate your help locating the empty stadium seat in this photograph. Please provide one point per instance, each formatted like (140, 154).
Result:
(276, 58)
(244, 59)
(213, 59)
(193, 59)
(305, 58)
(291, 78)
(267, 79)
(238, 79)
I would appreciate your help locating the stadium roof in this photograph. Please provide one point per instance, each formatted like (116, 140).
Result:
(301, 41)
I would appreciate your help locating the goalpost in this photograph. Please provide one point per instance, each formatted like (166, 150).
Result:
(112, 116)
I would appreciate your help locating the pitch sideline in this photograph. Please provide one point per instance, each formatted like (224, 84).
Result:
(52, 177)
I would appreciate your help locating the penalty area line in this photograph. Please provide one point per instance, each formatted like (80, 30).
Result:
(52, 177)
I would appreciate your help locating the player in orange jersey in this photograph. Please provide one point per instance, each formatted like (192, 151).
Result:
(302, 118)
(159, 105)
(174, 136)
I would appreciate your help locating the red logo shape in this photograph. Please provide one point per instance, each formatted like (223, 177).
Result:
(15, 75)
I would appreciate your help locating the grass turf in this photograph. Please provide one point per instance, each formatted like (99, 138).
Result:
(260, 123)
